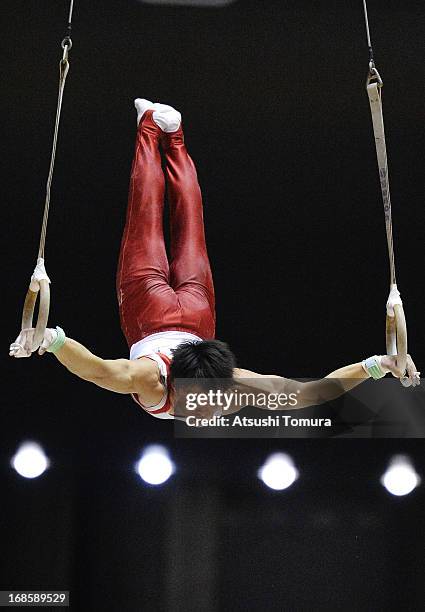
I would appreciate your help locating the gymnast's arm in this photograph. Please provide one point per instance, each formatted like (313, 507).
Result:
(139, 376)
(314, 392)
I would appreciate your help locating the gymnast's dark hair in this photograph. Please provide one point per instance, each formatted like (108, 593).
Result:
(206, 359)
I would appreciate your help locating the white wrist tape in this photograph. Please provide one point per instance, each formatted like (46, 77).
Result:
(393, 299)
(38, 275)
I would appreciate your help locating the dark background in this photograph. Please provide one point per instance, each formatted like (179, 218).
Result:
(277, 119)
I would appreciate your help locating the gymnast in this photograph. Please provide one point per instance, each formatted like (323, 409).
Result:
(167, 308)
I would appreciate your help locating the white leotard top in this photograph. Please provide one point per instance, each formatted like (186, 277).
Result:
(153, 346)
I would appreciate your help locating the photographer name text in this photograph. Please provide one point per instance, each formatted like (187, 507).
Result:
(269, 421)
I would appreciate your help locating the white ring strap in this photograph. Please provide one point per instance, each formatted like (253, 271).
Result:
(396, 332)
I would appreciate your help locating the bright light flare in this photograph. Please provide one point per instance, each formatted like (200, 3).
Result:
(30, 460)
(278, 472)
(400, 478)
(155, 466)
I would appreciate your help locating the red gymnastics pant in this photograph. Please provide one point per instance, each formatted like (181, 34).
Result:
(154, 294)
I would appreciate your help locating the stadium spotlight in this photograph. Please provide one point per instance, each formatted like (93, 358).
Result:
(278, 472)
(155, 466)
(30, 460)
(400, 478)
(189, 2)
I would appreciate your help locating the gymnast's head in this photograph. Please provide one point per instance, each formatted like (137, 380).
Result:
(206, 359)
(198, 368)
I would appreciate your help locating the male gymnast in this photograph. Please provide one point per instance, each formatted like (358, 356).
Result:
(167, 308)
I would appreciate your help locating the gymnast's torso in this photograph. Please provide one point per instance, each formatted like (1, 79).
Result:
(158, 348)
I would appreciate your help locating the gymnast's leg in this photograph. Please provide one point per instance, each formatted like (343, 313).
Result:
(143, 272)
(190, 271)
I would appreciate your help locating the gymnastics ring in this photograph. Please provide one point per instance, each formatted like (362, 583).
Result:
(396, 336)
(396, 329)
(43, 290)
(43, 311)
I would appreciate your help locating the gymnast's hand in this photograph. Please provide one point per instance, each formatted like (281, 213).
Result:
(24, 344)
(389, 363)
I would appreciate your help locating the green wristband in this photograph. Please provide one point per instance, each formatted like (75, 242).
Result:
(373, 367)
(59, 342)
